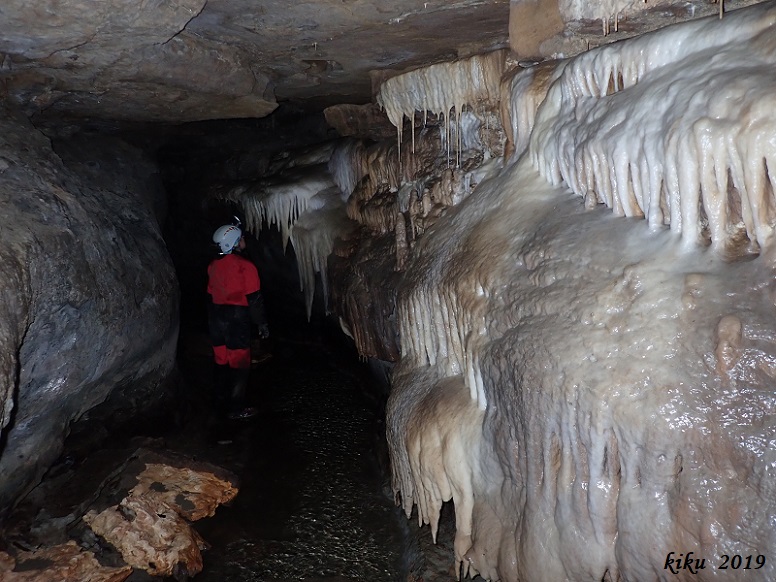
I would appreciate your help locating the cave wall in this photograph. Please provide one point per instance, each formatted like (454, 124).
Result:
(618, 405)
(593, 386)
(581, 282)
(90, 295)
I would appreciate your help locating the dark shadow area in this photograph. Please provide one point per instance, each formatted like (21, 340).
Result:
(315, 501)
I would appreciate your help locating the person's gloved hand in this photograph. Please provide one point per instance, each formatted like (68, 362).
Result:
(263, 331)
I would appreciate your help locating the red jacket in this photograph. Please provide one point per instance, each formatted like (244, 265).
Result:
(231, 278)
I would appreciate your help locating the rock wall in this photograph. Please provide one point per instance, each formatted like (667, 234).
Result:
(582, 269)
(90, 298)
(126, 61)
(595, 393)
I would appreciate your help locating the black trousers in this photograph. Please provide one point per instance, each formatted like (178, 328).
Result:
(230, 335)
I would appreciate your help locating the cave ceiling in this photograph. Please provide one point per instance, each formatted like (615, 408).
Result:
(177, 61)
(188, 60)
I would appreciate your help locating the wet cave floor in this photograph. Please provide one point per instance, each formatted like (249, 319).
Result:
(315, 501)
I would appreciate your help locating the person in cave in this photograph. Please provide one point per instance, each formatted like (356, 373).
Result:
(236, 304)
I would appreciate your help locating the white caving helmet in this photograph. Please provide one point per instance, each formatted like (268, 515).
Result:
(227, 237)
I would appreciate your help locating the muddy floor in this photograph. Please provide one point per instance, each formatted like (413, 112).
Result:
(315, 500)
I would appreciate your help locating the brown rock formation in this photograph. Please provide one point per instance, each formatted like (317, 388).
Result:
(64, 563)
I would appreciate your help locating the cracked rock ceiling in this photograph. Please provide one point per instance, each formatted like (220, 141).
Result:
(174, 61)
(185, 60)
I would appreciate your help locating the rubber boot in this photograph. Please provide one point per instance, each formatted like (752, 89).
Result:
(221, 389)
(220, 396)
(239, 410)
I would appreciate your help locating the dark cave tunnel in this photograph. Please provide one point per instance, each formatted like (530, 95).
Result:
(315, 499)
(551, 280)
(321, 424)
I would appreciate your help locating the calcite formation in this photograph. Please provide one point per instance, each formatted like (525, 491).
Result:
(474, 247)
(381, 186)
(586, 334)
(619, 370)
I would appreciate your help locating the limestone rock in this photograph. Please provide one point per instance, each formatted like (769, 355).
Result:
(193, 60)
(192, 493)
(150, 536)
(63, 563)
(616, 365)
(361, 121)
(89, 313)
(150, 527)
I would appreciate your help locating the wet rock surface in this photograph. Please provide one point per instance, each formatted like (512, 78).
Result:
(64, 562)
(89, 315)
(151, 528)
(314, 500)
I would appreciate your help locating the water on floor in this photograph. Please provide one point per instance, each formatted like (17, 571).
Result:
(314, 501)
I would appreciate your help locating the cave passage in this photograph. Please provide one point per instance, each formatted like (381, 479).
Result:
(314, 500)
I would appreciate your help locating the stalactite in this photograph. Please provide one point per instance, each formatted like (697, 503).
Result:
(636, 169)
(523, 90)
(402, 248)
(675, 127)
(441, 89)
(308, 209)
(348, 165)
